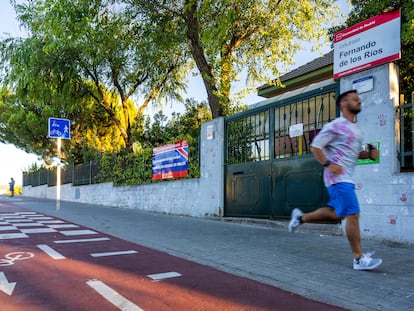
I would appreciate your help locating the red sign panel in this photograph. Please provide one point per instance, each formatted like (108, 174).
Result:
(370, 43)
(170, 161)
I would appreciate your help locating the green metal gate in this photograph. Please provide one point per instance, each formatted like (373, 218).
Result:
(268, 172)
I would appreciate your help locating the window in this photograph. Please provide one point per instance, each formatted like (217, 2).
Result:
(406, 112)
(248, 138)
(312, 112)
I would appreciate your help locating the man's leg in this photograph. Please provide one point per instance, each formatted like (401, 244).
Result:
(352, 226)
(322, 213)
(353, 234)
(361, 261)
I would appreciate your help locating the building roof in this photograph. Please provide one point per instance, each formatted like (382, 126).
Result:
(314, 71)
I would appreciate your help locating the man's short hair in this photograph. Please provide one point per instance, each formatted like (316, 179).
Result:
(343, 95)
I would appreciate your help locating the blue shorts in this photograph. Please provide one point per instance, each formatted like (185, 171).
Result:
(343, 199)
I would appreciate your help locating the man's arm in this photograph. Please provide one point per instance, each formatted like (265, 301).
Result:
(319, 155)
(371, 153)
(322, 159)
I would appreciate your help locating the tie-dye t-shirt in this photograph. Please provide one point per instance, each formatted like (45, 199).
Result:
(341, 141)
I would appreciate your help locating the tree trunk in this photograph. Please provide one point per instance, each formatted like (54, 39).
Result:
(197, 52)
(225, 79)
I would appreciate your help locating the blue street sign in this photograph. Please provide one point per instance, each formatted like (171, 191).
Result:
(59, 128)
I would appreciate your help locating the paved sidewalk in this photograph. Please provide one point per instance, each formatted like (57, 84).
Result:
(314, 265)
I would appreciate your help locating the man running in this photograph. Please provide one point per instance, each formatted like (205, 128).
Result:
(337, 147)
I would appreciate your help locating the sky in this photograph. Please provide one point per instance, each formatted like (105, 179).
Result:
(13, 160)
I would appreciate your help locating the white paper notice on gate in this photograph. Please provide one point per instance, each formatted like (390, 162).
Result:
(296, 130)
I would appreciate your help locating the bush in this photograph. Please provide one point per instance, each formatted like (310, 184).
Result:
(136, 168)
(17, 190)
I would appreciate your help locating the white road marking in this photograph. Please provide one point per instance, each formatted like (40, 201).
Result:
(162, 276)
(38, 230)
(28, 224)
(10, 258)
(77, 232)
(20, 220)
(51, 222)
(112, 296)
(63, 226)
(11, 217)
(82, 240)
(51, 252)
(7, 228)
(113, 253)
(40, 218)
(6, 286)
(7, 236)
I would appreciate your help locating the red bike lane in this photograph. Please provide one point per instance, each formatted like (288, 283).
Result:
(47, 263)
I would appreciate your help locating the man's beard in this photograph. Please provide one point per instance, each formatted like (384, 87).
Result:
(355, 111)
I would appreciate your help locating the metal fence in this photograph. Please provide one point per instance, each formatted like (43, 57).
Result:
(248, 138)
(82, 174)
(263, 133)
(92, 172)
(312, 112)
(406, 112)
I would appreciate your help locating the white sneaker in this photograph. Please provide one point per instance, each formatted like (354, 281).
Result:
(366, 262)
(294, 220)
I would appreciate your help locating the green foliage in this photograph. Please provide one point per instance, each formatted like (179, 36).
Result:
(126, 169)
(85, 61)
(161, 130)
(100, 63)
(136, 168)
(18, 189)
(239, 147)
(19, 124)
(227, 38)
(33, 168)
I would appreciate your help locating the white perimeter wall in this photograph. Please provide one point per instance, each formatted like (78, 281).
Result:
(194, 197)
(385, 195)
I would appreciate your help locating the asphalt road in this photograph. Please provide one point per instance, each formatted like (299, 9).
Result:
(50, 263)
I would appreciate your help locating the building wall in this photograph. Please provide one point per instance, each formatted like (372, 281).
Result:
(385, 194)
(194, 197)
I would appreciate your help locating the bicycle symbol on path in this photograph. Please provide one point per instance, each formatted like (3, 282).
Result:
(10, 258)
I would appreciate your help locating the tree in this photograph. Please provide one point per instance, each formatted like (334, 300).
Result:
(161, 130)
(135, 168)
(362, 10)
(24, 114)
(191, 120)
(94, 60)
(227, 37)
(19, 124)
